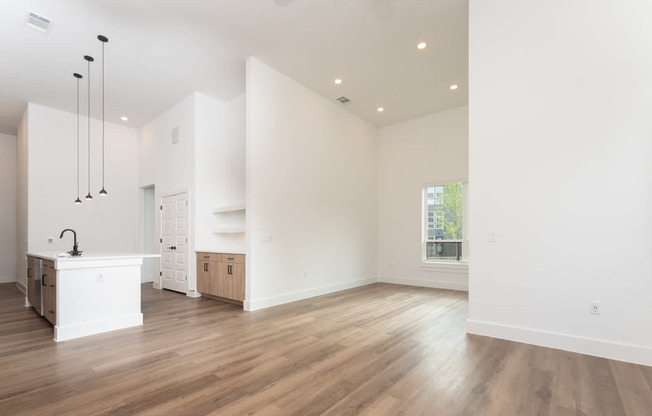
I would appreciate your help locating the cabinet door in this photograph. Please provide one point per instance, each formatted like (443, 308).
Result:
(222, 281)
(238, 282)
(49, 288)
(205, 280)
(231, 280)
(31, 283)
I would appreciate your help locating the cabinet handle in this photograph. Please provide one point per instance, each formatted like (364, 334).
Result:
(29, 269)
(205, 267)
(43, 280)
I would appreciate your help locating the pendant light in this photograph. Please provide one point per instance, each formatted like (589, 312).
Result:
(104, 40)
(90, 59)
(78, 76)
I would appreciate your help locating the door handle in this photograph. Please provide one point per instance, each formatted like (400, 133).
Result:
(172, 248)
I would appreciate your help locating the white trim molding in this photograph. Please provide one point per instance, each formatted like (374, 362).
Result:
(461, 267)
(255, 304)
(21, 286)
(435, 284)
(636, 354)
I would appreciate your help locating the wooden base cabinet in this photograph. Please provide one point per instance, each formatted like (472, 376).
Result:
(49, 291)
(33, 295)
(221, 275)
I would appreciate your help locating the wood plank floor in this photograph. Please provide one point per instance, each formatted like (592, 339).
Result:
(376, 350)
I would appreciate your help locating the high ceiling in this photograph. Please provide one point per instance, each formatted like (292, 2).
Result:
(160, 51)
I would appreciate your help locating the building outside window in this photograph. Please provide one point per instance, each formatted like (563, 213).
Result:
(444, 217)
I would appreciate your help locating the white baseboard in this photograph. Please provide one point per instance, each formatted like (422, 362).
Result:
(21, 286)
(193, 294)
(156, 285)
(255, 304)
(436, 284)
(636, 354)
(96, 327)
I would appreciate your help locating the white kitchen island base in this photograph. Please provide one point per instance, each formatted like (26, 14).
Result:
(95, 293)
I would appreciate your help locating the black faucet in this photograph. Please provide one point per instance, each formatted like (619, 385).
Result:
(74, 251)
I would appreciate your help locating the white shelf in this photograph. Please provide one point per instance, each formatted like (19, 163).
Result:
(229, 208)
(228, 230)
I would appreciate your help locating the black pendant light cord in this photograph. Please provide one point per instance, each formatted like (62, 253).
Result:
(102, 115)
(103, 39)
(78, 76)
(89, 59)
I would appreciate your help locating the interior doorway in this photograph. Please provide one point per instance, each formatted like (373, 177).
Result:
(147, 235)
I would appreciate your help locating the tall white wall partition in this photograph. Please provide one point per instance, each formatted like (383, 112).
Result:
(559, 156)
(311, 192)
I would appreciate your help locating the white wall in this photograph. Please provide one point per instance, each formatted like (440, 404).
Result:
(21, 206)
(311, 189)
(560, 149)
(209, 147)
(220, 172)
(8, 190)
(426, 150)
(208, 162)
(105, 223)
(170, 167)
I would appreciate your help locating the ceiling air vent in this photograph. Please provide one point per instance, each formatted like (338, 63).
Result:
(343, 100)
(40, 23)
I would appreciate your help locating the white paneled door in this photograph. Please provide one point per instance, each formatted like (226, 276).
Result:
(174, 245)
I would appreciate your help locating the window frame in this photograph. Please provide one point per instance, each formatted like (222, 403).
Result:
(444, 264)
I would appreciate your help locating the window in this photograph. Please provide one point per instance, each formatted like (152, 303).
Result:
(439, 195)
(443, 225)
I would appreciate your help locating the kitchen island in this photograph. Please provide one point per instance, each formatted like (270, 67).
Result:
(88, 294)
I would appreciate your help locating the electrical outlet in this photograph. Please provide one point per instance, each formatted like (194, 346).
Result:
(594, 307)
(99, 278)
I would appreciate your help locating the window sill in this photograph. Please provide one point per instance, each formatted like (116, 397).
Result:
(450, 267)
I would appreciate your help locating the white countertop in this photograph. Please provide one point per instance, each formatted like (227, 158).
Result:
(90, 255)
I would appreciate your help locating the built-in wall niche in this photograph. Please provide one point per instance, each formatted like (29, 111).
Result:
(229, 219)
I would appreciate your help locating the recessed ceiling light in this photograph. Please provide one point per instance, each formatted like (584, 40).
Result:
(123, 118)
(338, 81)
(422, 45)
(381, 109)
(453, 87)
